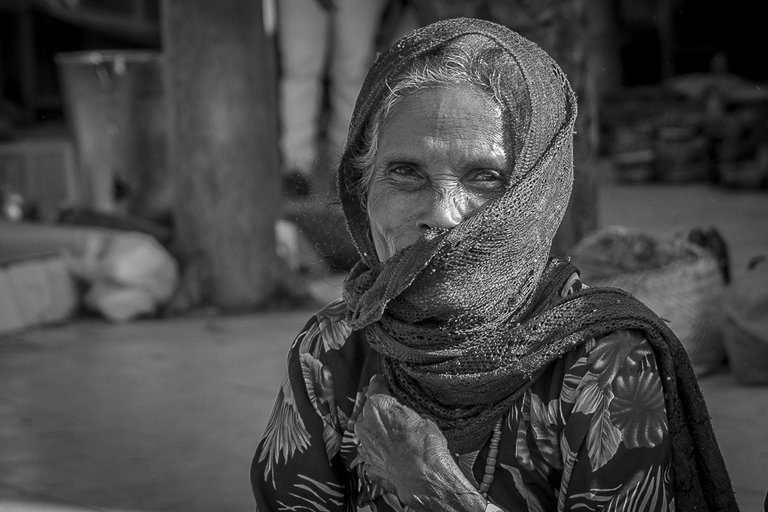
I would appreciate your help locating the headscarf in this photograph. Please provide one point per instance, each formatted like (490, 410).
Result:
(437, 310)
(466, 319)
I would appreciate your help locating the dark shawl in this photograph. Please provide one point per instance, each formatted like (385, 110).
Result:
(465, 319)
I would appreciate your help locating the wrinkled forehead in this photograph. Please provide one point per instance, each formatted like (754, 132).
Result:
(452, 106)
(494, 73)
(447, 121)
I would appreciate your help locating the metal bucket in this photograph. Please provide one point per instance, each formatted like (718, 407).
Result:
(116, 108)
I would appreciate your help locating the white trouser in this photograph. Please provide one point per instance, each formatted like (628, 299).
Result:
(307, 34)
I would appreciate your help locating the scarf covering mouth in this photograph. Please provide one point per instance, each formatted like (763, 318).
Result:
(466, 319)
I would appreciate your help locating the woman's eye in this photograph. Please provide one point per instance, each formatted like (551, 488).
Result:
(403, 171)
(401, 176)
(405, 175)
(487, 180)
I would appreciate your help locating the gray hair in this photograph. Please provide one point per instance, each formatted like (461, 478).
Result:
(453, 66)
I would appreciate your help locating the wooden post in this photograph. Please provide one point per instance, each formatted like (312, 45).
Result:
(223, 155)
(573, 49)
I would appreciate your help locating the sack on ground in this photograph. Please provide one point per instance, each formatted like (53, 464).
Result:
(680, 281)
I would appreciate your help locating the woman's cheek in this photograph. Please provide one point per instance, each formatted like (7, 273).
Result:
(390, 217)
(384, 244)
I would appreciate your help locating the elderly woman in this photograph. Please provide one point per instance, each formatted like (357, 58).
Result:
(464, 370)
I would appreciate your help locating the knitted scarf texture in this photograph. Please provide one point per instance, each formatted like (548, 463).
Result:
(466, 319)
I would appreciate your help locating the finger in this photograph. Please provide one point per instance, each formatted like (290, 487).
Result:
(366, 424)
(386, 485)
(373, 410)
(377, 385)
(386, 417)
(372, 463)
(375, 472)
(393, 414)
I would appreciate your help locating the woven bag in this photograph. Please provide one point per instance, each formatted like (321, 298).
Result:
(678, 280)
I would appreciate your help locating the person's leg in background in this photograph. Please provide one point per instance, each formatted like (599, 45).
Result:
(354, 26)
(303, 39)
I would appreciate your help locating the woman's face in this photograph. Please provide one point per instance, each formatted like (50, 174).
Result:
(440, 158)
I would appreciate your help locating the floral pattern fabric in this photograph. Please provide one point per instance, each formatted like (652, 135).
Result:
(590, 434)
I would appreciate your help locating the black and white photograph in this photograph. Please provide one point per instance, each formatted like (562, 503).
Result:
(383, 256)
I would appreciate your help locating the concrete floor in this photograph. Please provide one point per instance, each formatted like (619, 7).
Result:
(165, 415)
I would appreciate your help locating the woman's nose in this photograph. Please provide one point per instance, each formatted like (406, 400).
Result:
(443, 211)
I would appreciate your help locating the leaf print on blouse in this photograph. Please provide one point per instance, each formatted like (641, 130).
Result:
(569, 461)
(349, 439)
(638, 409)
(610, 354)
(329, 331)
(315, 494)
(319, 383)
(649, 491)
(522, 448)
(544, 422)
(285, 433)
(532, 502)
(572, 381)
(603, 437)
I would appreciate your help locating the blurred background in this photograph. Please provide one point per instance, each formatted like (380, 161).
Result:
(168, 217)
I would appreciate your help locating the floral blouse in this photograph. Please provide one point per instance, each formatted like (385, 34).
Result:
(590, 434)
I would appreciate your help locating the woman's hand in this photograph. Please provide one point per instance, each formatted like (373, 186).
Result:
(408, 456)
